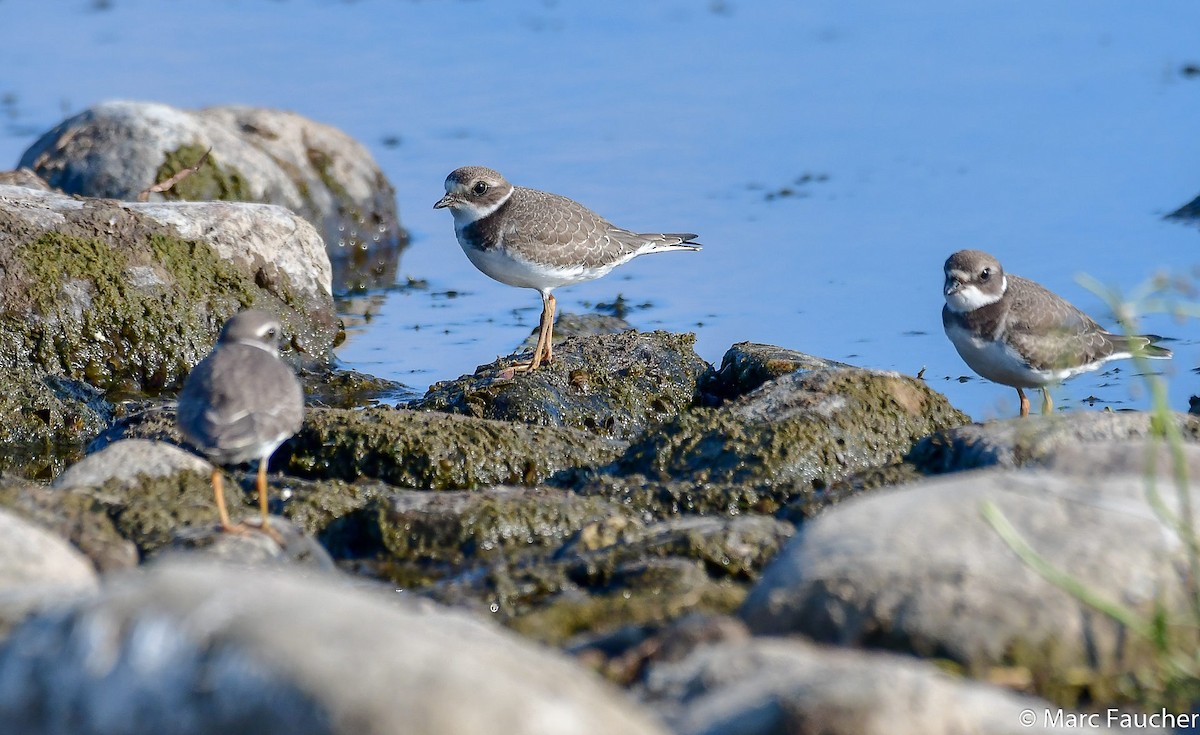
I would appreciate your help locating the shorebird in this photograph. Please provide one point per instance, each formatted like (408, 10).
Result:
(241, 402)
(1014, 332)
(532, 239)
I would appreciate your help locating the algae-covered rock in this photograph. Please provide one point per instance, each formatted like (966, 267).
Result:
(1032, 440)
(662, 498)
(113, 294)
(436, 451)
(118, 149)
(615, 385)
(449, 528)
(812, 427)
(747, 365)
(619, 571)
(567, 325)
(44, 419)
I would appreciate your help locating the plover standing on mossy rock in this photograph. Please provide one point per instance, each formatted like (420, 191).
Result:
(531, 239)
(241, 402)
(1014, 332)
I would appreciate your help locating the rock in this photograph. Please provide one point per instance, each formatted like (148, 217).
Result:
(343, 516)
(253, 546)
(809, 427)
(75, 516)
(25, 178)
(747, 365)
(623, 655)
(435, 451)
(920, 569)
(30, 556)
(151, 490)
(44, 418)
(351, 389)
(129, 462)
(615, 385)
(191, 647)
(117, 149)
(115, 295)
(38, 571)
(618, 571)
(1031, 440)
(447, 528)
(568, 325)
(771, 685)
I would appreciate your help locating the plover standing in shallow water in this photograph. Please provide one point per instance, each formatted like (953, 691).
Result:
(241, 402)
(531, 239)
(1012, 331)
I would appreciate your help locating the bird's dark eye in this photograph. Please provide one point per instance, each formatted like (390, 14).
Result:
(985, 274)
(271, 333)
(480, 187)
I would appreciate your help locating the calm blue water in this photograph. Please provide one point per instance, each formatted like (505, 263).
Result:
(1055, 135)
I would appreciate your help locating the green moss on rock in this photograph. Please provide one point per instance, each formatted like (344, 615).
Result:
(812, 427)
(111, 315)
(447, 529)
(211, 182)
(435, 451)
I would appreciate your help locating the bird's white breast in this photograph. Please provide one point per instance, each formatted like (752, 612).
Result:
(999, 362)
(503, 266)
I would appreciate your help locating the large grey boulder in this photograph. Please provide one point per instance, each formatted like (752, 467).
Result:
(117, 149)
(767, 686)
(190, 648)
(921, 569)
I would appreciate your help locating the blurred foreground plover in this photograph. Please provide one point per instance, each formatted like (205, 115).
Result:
(531, 239)
(241, 402)
(1012, 331)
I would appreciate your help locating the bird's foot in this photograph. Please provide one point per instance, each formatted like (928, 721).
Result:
(245, 529)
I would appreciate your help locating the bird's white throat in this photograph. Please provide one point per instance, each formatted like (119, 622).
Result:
(469, 212)
(970, 297)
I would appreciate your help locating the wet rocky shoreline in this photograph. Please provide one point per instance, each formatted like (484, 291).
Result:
(629, 540)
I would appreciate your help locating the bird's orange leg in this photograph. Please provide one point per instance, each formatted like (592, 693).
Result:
(1047, 403)
(541, 351)
(551, 308)
(1024, 403)
(261, 484)
(218, 484)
